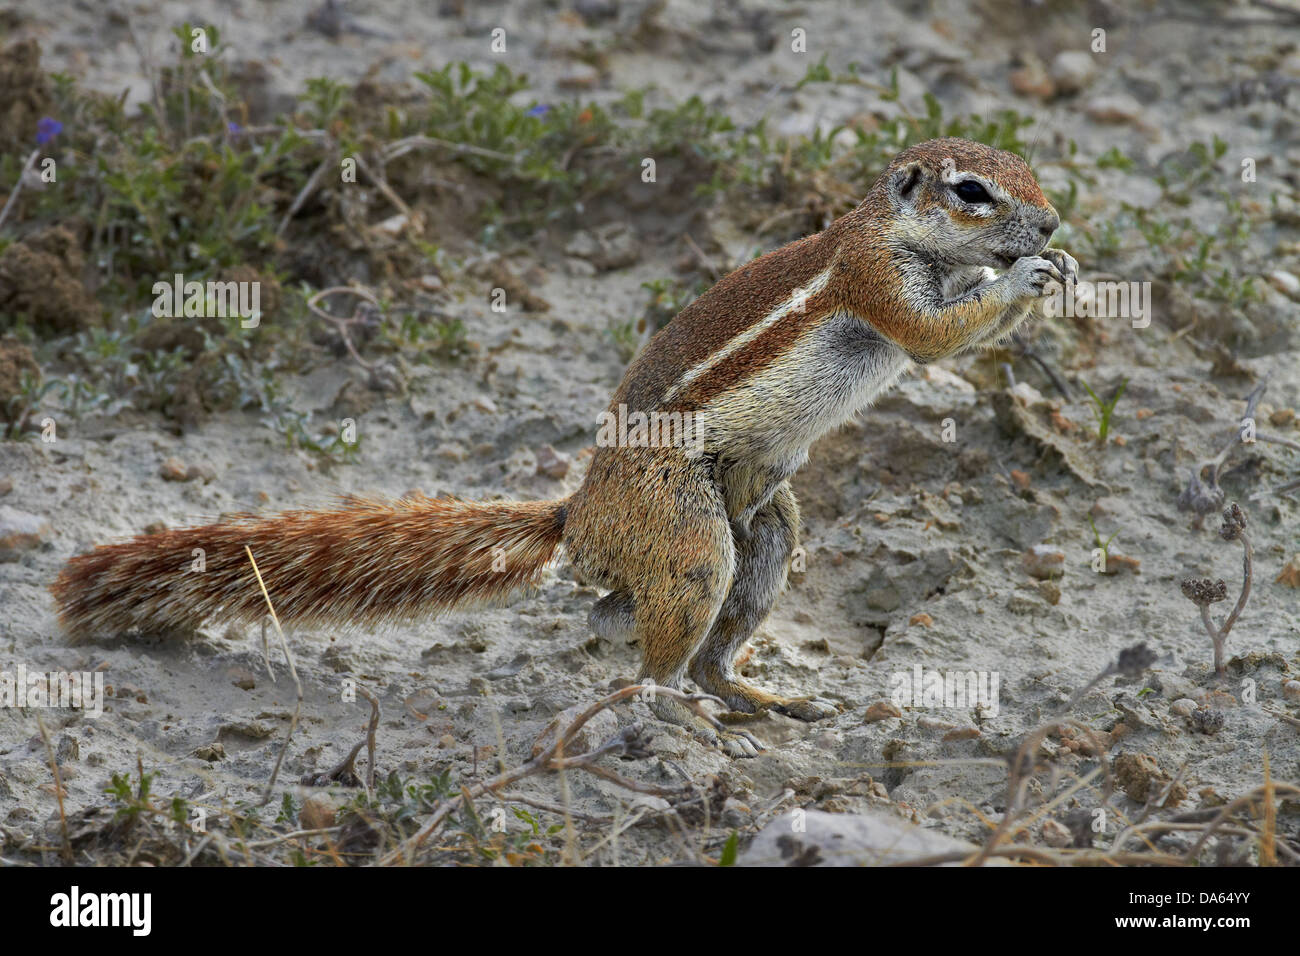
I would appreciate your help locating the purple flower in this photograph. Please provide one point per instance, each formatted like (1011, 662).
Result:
(541, 109)
(46, 129)
(234, 128)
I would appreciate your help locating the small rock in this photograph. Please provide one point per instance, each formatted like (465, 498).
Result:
(1106, 507)
(1290, 574)
(173, 469)
(927, 722)
(1032, 80)
(1141, 778)
(6, 485)
(446, 742)
(1208, 720)
(338, 658)
(961, 733)
(736, 814)
(1072, 70)
(608, 247)
(921, 618)
(579, 76)
(1118, 563)
(508, 669)
(210, 752)
(316, 814)
(845, 839)
(1285, 282)
(485, 404)
(1026, 394)
(252, 729)
(1050, 591)
(591, 735)
(1116, 108)
(1043, 561)
(20, 532)
(1056, 834)
(394, 225)
(551, 463)
(881, 710)
(1291, 690)
(200, 471)
(1183, 707)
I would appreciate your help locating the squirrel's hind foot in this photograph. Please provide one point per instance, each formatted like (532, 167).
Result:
(746, 699)
(734, 743)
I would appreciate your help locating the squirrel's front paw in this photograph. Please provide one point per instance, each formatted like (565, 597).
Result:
(1064, 262)
(1029, 275)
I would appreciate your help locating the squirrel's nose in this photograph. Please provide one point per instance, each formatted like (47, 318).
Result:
(1050, 226)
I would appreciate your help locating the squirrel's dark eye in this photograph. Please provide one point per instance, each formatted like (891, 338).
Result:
(968, 190)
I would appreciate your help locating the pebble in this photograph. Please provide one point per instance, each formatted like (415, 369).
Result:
(1291, 690)
(881, 710)
(551, 463)
(1116, 108)
(1072, 70)
(1032, 80)
(579, 76)
(173, 469)
(1183, 707)
(20, 532)
(316, 814)
(1056, 834)
(591, 735)
(1285, 282)
(1207, 720)
(1044, 561)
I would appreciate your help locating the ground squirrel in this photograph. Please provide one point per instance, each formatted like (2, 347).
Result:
(692, 540)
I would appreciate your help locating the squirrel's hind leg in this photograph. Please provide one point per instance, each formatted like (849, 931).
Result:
(677, 597)
(761, 566)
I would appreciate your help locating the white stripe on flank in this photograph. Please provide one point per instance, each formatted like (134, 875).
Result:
(806, 292)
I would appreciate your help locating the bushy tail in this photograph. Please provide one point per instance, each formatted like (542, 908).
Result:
(370, 561)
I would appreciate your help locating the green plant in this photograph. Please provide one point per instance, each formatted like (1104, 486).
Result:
(1103, 545)
(1102, 410)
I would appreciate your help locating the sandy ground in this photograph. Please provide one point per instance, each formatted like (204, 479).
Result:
(914, 545)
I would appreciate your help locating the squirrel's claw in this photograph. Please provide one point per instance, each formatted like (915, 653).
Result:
(738, 743)
(1065, 263)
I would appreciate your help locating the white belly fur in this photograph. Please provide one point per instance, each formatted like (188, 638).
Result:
(831, 374)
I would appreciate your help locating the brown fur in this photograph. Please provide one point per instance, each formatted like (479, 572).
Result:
(736, 302)
(369, 562)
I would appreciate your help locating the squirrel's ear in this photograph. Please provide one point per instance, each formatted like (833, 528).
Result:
(903, 182)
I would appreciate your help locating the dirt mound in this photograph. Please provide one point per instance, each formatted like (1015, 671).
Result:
(40, 277)
(24, 96)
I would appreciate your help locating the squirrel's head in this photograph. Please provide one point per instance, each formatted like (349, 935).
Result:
(963, 203)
